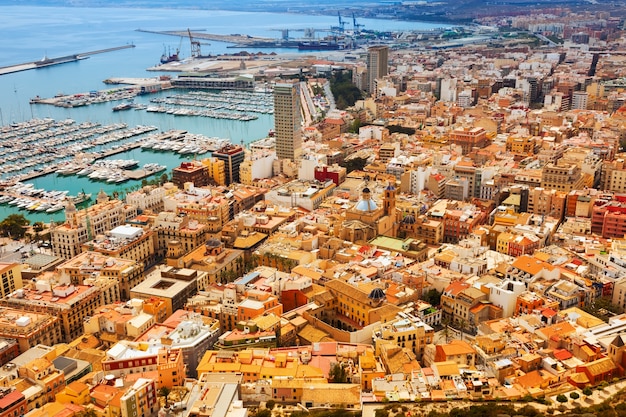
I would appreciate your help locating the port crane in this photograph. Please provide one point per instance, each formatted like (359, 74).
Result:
(342, 24)
(357, 26)
(196, 50)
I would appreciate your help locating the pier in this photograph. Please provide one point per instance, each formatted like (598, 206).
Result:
(46, 62)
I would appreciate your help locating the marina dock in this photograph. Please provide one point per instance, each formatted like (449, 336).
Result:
(46, 62)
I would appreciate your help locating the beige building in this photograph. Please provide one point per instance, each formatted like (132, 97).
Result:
(70, 303)
(140, 400)
(287, 122)
(173, 286)
(84, 225)
(88, 265)
(562, 177)
(218, 264)
(406, 331)
(614, 176)
(377, 66)
(150, 197)
(29, 328)
(190, 234)
(126, 242)
(11, 274)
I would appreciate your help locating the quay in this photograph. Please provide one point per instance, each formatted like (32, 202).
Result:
(46, 62)
(134, 87)
(101, 155)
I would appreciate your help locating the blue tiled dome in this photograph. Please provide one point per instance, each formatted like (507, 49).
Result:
(366, 205)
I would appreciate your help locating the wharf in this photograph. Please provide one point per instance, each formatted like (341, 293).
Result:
(137, 174)
(100, 155)
(46, 62)
(134, 87)
(119, 149)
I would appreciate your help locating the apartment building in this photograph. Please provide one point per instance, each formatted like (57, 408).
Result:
(140, 400)
(172, 285)
(29, 328)
(126, 242)
(190, 172)
(84, 225)
(469, 138)
(407, 331)
(562, 177)
(90, 264)
(11, 278)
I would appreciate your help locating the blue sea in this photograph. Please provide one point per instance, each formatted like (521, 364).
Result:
(30, 33)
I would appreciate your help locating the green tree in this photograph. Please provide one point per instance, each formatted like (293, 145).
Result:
(602, 308)
(354, 164)
(561, 398)
(445, 322)
(432, 296)
(264, 413)
(270, 404)
(355, 126)
(401, 129)
(337, 373)
(462, 326)
(574, 395)
(14, 226)
(164, 392)
(587, 391)
(38, 227)
(344, 91)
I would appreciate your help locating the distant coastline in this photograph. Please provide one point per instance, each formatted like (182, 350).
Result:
(462, 12)
(368, 9)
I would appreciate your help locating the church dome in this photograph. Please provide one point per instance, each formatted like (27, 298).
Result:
(409, 219)
(366, 205)
(213, 243)
(377, 294)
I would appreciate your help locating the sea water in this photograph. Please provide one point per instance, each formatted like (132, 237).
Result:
(31, 33)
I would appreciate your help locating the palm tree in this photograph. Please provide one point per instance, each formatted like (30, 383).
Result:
(446, 329)
(462, 326)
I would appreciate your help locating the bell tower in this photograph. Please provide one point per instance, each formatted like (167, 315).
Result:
(389, 200)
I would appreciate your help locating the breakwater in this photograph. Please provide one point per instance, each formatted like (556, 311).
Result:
(46, 62)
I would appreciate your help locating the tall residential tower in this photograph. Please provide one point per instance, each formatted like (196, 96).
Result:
(377, 64)
(287, 120)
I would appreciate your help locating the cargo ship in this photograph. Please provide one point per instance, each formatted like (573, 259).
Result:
(165, 58)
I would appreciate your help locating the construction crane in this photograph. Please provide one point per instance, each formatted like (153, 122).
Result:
(357, 26)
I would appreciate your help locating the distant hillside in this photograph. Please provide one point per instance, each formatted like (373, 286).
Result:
(453, 11)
